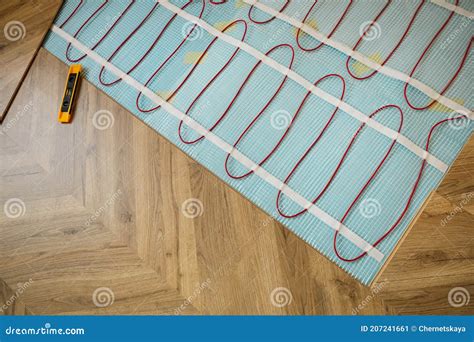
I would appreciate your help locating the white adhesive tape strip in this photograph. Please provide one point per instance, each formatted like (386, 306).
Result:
(383, 69)
(453, 8)
(224, 146)
(407, 143)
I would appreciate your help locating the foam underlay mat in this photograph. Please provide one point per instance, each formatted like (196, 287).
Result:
(341, 155)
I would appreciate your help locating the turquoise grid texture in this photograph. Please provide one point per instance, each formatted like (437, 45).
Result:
(393, 184)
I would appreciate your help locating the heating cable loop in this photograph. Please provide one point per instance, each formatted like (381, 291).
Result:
(313, 144)
(446, 87)
(407, 204)
(195, 66)
(84, 24)
(282, 8)
(122, 44)
(339, 165)
(334, 29)
(287, 130)
(155, 42)
(421, 58)
(236, 96)
(392, 52)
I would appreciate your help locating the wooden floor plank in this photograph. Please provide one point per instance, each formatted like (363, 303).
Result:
(24, 24)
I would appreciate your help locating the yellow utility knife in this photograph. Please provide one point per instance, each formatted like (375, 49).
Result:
(70, 93)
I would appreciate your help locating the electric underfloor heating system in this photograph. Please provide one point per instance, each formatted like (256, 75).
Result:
(338, 118)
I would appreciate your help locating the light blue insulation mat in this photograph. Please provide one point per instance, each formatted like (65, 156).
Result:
(384, 199)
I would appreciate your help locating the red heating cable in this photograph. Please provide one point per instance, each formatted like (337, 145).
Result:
(367, 29)
(196, 64)
(81, 27)
(226, 111)
(158, 69)
(73, 13)
(456, 74)
(339, 165)
(300, 107)
(128, 37)
(122, 44)
(405, 34)
(287, 2)
(75, 60)
(206, 87)
(428, 47)
(407, 205)
(330, 34)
